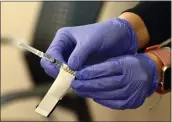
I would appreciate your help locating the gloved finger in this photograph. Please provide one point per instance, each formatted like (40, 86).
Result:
(51, 74)
(113, 104)
(60, 44)
(78, 56)
(56, 50)
(129, 103)
(105, 69)
(116, 94)
(51, 69)
(101, 84)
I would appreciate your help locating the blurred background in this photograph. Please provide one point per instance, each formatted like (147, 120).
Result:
(24, 83)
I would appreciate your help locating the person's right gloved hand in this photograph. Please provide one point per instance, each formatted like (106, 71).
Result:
(75, 45)
(123, 82)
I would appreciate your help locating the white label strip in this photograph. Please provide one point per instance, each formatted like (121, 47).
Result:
(58, 89)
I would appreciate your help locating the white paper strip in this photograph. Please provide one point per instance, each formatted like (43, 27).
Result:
(58, 89)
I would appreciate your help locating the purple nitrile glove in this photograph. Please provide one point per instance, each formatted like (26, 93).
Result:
(122, 82)
(83, 45)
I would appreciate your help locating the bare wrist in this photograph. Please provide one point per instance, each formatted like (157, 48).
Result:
(138, 26)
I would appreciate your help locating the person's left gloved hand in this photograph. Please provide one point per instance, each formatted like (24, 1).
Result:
(90, 44)
(119, 83)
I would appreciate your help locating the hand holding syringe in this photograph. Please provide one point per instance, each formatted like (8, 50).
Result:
(60, 86)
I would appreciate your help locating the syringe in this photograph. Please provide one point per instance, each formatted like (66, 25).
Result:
(44, 56)
(39, 53)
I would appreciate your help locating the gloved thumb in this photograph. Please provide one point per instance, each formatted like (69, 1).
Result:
(78, 57)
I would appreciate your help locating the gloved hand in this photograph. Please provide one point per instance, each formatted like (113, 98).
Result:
(119, 83)
(77, 45)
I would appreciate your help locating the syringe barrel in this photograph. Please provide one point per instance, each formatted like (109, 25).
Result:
(31, 49)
